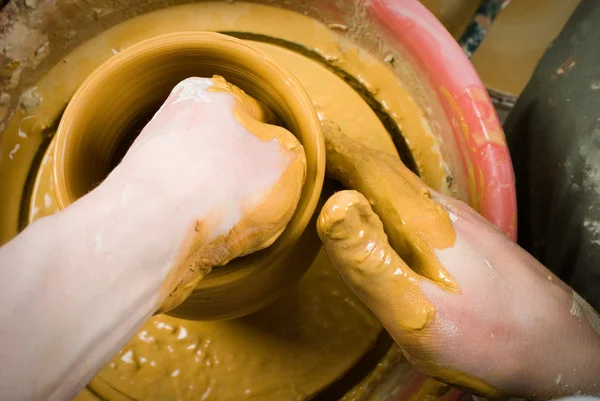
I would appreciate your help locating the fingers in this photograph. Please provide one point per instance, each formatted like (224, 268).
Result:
(357, 246)
(415, 224)
(256, 118)
(252, 174)
(256, 109)
(266, 221)
(196, 102)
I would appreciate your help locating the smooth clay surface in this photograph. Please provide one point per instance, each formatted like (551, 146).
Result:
(315, 333)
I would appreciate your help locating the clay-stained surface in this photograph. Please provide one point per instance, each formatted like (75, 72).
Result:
(353, 116)
(275, 210)
(417, 228)
(315, 332)
(516, 41)
(120, 97)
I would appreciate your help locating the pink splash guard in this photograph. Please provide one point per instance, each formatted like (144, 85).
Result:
(408, 25)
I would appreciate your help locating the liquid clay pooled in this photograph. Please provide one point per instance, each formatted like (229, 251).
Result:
(263, 218)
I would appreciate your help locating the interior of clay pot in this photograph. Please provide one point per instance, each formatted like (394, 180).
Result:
(115, 102)
(448, 128)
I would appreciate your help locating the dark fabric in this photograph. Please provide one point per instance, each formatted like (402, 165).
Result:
(554, 138)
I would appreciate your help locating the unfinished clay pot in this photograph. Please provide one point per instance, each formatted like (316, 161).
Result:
(115, 102)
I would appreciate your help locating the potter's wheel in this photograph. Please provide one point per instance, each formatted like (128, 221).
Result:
(316, 334)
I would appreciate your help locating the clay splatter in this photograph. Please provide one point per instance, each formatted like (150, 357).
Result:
(575, 307)
(558, 379)
(593, 227)
(338, 27)
(566, 66)
(99, 243)
(12, 153)
(127, 357)
(581, 308)
(447, 327)
(30, 99)
(47, 200)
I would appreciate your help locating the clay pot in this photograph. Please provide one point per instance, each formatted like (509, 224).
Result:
(119, 97)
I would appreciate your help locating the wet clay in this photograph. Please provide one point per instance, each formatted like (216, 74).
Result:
(288, 350)
(418, 226)
(345, 221)
(316, 332)
(201, 253)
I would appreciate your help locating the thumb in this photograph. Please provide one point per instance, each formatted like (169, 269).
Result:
(357, 246)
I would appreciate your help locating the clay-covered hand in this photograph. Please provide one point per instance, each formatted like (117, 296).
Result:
(465, 304)
(230, 181)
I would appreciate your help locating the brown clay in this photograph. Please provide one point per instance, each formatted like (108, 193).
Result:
(93, 124)
(419, 225)
(290, 349)
(324, 88)
(400, 98)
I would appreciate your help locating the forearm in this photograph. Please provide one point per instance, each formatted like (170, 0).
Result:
(76, 287)
(570, 346)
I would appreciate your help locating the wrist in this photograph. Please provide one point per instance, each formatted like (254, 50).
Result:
(120, 233)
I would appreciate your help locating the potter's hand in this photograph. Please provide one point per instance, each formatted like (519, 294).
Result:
(231, 180)
(465, 304)
(204, 182)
